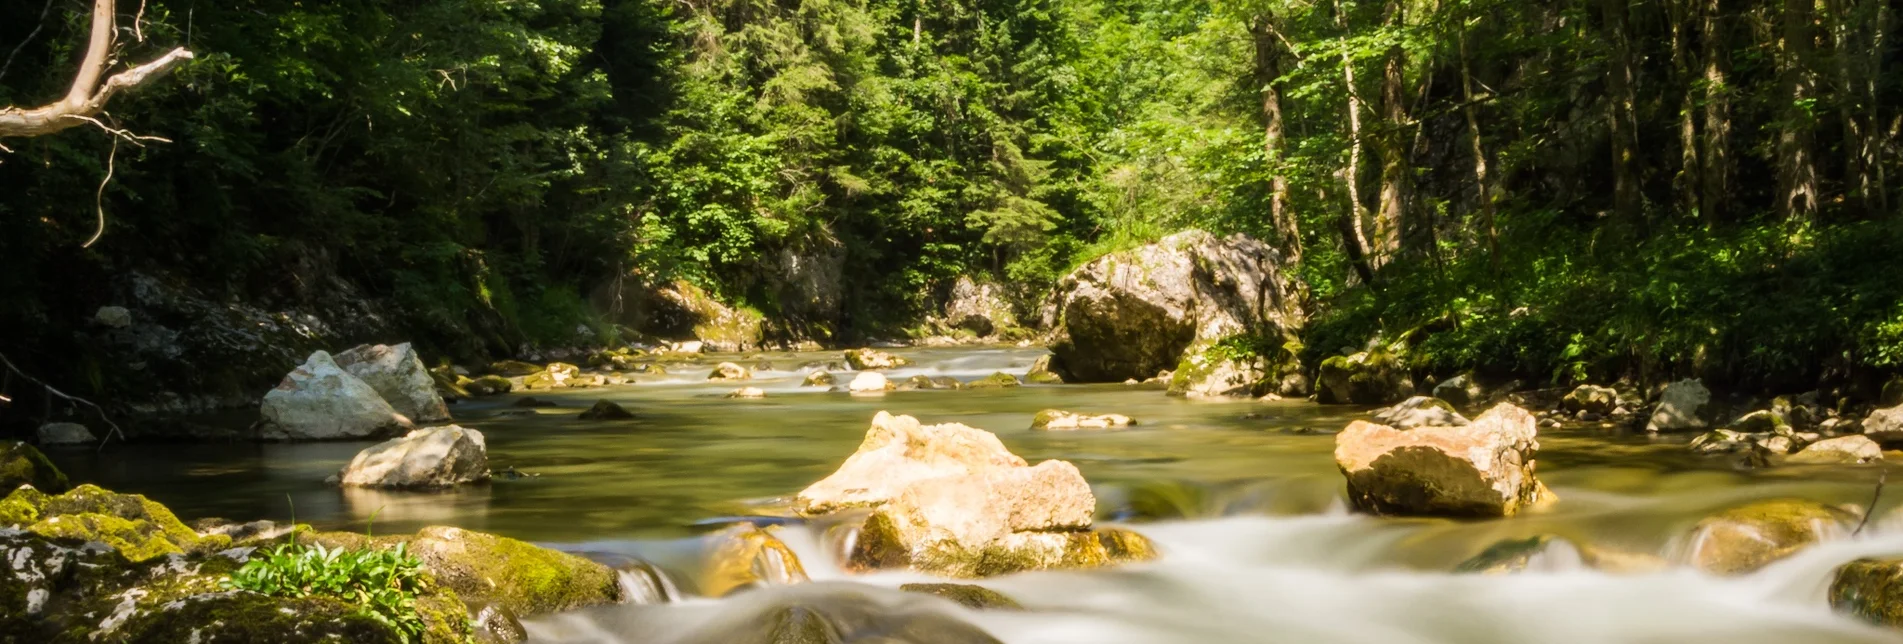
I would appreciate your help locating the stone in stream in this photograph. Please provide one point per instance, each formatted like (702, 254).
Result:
(823, 613)
(744, 556)
(557, 374)
(1043, 372)
(526, 579)
(1591, 398)
(1460, 390)
(1059, 420)
(1854, 449)
(1373, 377)
(729, 371)
(1420, 411)
(489, 385)
(978, 308)
(1745, 538)
(606, 410)
(22, 464)
(322, 401)
(967, 595)
(397, 374)
(1133, 313)
(1681, 407)
(1482, 469)
(951, 500)
(426, 458)
(139, 528)
(747, 392)
(1208, 374)
(65, 434)
(863, 359)
(1885, 425)
(1551, 553)
(869, 382)
(1870, 589)
(997, 380)
(531, 402)
(818, 378)
(513, 368)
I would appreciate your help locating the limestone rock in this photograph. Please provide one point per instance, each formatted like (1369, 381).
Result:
(1207, 375)
(1681, 407)
(1133, 313)
(744, 556)
(113, 317)
(1059, 420)
(65, 434)
(606, 410)
(526, 579)
(398, 375)
(1852, 449)
(21, 464)
(1591, 398)
(1885, 425)
(818, 378)
(1746, 538)
(869, 382)
(978, 308)
(863, 359)
(1482, 469)
(426, 458)
(322, 401)
(1420, 411)
(730, 371)
(489, 385)
(1374, 377)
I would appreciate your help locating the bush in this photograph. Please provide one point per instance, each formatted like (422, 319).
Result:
(383, 582)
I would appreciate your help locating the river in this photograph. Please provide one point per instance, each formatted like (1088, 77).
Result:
(1241, 497)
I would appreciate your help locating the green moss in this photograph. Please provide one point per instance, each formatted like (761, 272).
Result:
(1045, 417)
(1871, 590)
(513, 368)
(21, 464)
(138, 527)
(524, 578)
(997, 380)
(967, 595)
(22, 507)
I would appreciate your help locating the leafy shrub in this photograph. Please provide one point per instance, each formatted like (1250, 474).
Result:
(383, 582)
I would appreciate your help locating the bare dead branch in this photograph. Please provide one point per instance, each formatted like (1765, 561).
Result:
(44, 11)
(88, 95)
(71, 398)
(99, 198)
(1875, 495)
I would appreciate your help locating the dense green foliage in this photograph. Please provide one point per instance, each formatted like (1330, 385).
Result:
(1561, 190)
(382, 582)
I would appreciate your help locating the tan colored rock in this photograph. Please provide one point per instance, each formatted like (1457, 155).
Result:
(1482, 469)
(862, 359)
(321, 401)
(745, 556)
(818, 378)
(897, 452)
(730, 371)
(869, 382)
(1852, 449)
(747, 392)
(1420, 411)
(1592, 398)
(1059, 420)
(1884, 425)
(1748, 537)
(426, 458)
(398, 374)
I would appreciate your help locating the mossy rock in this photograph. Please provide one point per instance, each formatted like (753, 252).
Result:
(880, 545)
(967, 595)
(22, 464)
(1871, 590)
(606, 410)
(513, 368)
(489, 385)
(1368, 378)
(251, 617)
(997, 380)
(1748, 537)
(449, 385)
(526, 579)
(139, 528)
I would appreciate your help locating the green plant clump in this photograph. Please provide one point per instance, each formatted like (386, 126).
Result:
(384, 582)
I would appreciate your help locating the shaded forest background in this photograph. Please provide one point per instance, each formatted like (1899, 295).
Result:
(1559, 190)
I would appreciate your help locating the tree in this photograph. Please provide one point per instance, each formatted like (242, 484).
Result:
(88, 96)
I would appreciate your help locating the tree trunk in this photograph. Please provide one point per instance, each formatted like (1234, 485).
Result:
(1268, 65)
(1716, 148)
(1622, 124)
(1685, 183)
(1389, 220)
(1353, 238)
(1797, 169)
(1856, 26)
(1483, 190)
(87, 97)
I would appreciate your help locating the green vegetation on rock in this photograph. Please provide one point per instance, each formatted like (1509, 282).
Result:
(139, 528)
(22, 464)
(382, 584)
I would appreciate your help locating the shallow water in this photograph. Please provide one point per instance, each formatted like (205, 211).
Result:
(1242, 498)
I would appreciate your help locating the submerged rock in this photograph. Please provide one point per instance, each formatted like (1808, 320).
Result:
(747, 392)
(606, 410)
(1850, 450)
(829, 613)
(951, 500)
(968, 595)
(869, 382)
(1420, 411)
(745, 556)
(1374, 377)
(1745, 538)
(1870, 589)
(1059, 420)
(818, 378)
(1591, 398)
(1482, 469)
(22, 464)
(426, 458)
(1681, 407)
(1043, 372)
(863, 359)
(997, 380)
(398, 375)
(1133, 313)
(1550, 553)
(730, 371)
(65, 434)
(322, 401)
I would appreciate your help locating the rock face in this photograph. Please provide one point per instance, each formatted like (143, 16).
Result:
(1848, 450)
(1595, 399)
(426, 458)
(322, 401)
(1681, 407)
(864, 359)
(978, 308)
(1207, 375)
(399, 376)
(21, 464)
(1482, 469)
(1871, 590)
(679, 311)
(1420, 411)
(1133, 313)
(1374, 377)
(65, 434)
(951, 500)
(869, 382)
(1058, 420)
(1746, 538)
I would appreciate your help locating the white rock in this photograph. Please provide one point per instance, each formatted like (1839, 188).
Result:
(65, 434)
(1850, 449)
(747, 392)
(1883, 425)
(116, 317)
(434, 457)
(690, 346)
(1681, 407)
(399, 376)
(1420, 411)
(321, 401)
(869, 382)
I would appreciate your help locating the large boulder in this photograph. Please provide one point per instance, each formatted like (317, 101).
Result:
(1481, 469)
(22, 464)
(322, 401)
(139, 528)
(978, 308)
(1885, 425)
(426, 458)
(525, 579)
(1683, 406)
(1854, 449)
(65, 434)
(1745, 538)
(399, 376)
(951, 500)
(1134, 313)
(1870, 589)
(1373, 377)
(1591, 398)
(1420, 411)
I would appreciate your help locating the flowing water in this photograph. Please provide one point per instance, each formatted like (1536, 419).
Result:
(1242, 499)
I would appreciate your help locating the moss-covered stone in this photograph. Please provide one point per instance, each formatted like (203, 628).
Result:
(606, 410)
(997, 380)
(1745, 538)
(863, 359)
(489, 385)
(522, 577)
(1871, 590)
(1374, 377)
(1044, 372)
(967, 595)
(513, 368)
(22, 464)
(137, 527)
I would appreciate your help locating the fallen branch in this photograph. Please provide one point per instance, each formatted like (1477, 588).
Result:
(88, 95)
(71, 398)
(1874, 496)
